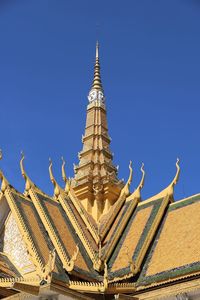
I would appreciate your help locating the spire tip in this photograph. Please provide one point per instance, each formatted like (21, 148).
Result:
(97, 49)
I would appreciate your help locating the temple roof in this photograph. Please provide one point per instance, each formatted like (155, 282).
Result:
(94, 235)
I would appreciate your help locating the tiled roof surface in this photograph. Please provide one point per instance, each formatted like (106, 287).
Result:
(175, 251)
(111, 215)
(67, 236)
(82, 224)
(134, 238)
(163, 238)
(131, 240)
(116, 224)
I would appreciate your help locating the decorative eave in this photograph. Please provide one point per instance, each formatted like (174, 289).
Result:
(54, 287)
(99, 288)
(9, 282)
(169, 288)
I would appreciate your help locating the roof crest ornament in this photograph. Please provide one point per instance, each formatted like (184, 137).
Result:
(49, 267)
(176, 177)
(136, 193)
(64, 177)
(170, 188)
(126, 188)
(28, 182)
(70, 265)
(57, 188)
(169, 191)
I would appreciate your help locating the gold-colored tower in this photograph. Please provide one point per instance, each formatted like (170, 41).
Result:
(95, 182)
(94, 239)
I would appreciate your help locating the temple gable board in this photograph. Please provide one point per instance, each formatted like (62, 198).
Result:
(94, 238)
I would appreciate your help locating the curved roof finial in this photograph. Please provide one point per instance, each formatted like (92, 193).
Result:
(28, 182)
(51, 172)
(169, 190)
(141, 184)
(126, 188)
(22, 165)
(136, 193)
(53, 180)
(64, 177)
(178, 169)
(1, 154)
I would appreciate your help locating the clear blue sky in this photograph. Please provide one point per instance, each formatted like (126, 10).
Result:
(150, 61)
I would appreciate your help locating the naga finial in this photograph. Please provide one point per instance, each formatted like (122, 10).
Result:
(28, 182)
(64, 177)
(51, 172)
(70, 265)
(176, 177)
(49, 267)
(53, 180)
(126, 188)
(169, 190)
(141, 184)
(22, 165)
(136, 193)
(1, 154)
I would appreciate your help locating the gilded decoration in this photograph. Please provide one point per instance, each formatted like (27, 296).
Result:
(94, 237)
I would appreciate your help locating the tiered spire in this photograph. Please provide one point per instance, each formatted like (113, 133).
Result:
(97, 85)
(95, 181)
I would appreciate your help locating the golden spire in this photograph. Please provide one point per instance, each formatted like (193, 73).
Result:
(97, 85)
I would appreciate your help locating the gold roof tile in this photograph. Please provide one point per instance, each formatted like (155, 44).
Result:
(129, 244)
(178, 244)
